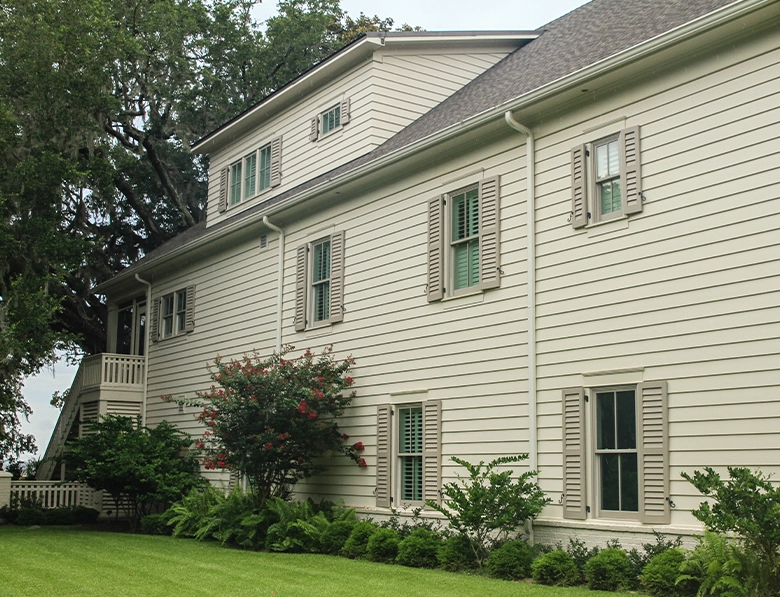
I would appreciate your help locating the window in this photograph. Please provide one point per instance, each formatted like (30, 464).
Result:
(250, 176)
(411, 474)
(606, 178)
(319, 282)
(173, 314)
(130, 334)
(628, 453)
(463, 240)
(329, 120)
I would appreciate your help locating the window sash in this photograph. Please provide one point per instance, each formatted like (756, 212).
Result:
(167, 315)
(321, 280)
(464, 238)
(608, 199)
(264, 174)
(616, 453)
(250, 167)
(181, 310)
(235, 183)
(410, 448)
(331, 120)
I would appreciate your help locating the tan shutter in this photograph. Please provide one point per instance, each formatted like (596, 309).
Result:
(489, 239)
(432, 450)
(653, 453)
(384, 455)
(314, 129)
(189, 309)
(436, 248)
(579, 201)
(344, 116)
(301, 262)
(336, 277)
(223, 190)
(630, 171)
(154, 320)
(574, 503)
(276, 162)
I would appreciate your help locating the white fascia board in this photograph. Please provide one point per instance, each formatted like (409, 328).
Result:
(665, 40)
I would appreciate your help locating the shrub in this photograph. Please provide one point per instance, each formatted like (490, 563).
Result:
(356, 545)
(610, 570)
(718, 567)
(156, 524)
(30, 516)
(456, 553)
(580, 553)
(511, 561)
(748, 504)
(382, 546)
(489, 506)
(420, 549)
(58, 516)
(659, 576)
(84, 515)
(556, 568)
(334, 537)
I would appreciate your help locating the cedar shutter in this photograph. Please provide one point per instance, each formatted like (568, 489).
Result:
(431, 450)
(630, 170)
(653, 453)
(574, 453)
(223, 190)
(579, 200)
(489, 241)
(383, 455)
(301, 262)
(154, 320)
(344, 116)
(276, 162)
(314, 129)
(336, 277)
(436, 248)
(189, 309)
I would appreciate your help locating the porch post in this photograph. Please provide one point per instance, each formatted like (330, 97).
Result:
(5, 488)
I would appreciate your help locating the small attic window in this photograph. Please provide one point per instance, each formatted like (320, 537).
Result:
(331, 120)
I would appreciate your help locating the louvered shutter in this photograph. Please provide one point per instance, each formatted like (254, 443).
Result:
(276, 162)
(336, 277)
(436, 248)
(574, 503)
(653, 453)
(344, 116)
(189, 309)
(300, 287)
(489, 239)
(383, 455)
(579, 200)
(223, 189)
(154, 320)
(630, 170)
(431, 450)
(314, 129)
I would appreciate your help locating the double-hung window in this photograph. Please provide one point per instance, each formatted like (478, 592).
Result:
(251, 175)
(408, 462)
(329, 120)
(173, 314)
(626, 448)
(319, 282)
(606, 180)
(463, 240)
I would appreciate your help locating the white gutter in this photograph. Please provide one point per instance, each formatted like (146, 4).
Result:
(147, 327)
(530, 205)
(651, 46)
(280, 284)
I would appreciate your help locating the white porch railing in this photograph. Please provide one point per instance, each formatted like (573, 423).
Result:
(50, 494)
(107, 368)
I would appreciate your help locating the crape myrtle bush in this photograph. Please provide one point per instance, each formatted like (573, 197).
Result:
(272, 419)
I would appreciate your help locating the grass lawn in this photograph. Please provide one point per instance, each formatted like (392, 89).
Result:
(65, 562)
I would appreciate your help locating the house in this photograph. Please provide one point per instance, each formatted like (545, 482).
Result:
(563, 242)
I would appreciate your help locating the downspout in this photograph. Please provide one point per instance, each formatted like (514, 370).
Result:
(146, 344)
(531, 283)
(280, 283)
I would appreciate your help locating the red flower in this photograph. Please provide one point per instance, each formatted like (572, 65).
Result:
(269, 446)
(303, 407)
(349, 380)
(199, 445)
(312, 415)
(359, 446)
(362, 463)
(344, 436)
(300, 458)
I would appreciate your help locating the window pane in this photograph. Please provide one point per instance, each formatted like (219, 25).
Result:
(602, 161)
(616, 196)
(251, 173)
(168, 305)
(322, 301)
(605, 405)
(626, 420)
(235, 184)
(629, 483)
(606, 197)
(265, 169)
(614, 158)
(321, 261)
(461, 266)
(124, 331)
(473, 263)
(610, 481)
(411, 478)
(410, 430)
(465, 215)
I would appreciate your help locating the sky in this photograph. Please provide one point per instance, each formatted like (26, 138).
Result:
(431, 15)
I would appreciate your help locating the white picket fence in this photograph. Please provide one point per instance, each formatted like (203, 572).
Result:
(52, 494)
